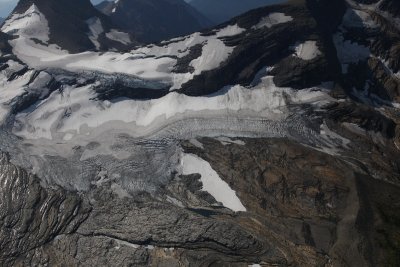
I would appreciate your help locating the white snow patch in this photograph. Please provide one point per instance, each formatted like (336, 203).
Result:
(272, 19)
(175, 201)
(118, 36)
(307, 50)
(124, 243)
(96, 29)
(31, 24)
(212, 183)
(214, 52)
(228, 141)
(230, 30)
(196, 143)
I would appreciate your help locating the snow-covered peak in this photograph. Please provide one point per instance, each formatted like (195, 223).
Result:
(31, 24)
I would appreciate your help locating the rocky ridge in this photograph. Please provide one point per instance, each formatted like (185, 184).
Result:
(154, 21)
(75, 26)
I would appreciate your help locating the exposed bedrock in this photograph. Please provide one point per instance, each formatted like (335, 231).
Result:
(330, 209)
(304, 207)
(30, 215)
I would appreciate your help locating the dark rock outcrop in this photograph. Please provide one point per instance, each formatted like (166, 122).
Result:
(155, 20)
(220, 11)
(68, 24)
(321, 203)
(30, 215)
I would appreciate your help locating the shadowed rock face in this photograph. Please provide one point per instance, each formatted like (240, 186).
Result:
(155, 20)
(257, 48)
(68, 23)
(5, 48)
(220, 11)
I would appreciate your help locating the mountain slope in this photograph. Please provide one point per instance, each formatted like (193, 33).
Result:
(270, 140)
(220, 11)
(71, 25)
(155, 20)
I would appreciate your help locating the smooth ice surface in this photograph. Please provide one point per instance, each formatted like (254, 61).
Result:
(212, 183)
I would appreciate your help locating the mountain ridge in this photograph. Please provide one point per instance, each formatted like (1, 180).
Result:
(155, 20)
(220, 11)
(69, 24)
(272, 139)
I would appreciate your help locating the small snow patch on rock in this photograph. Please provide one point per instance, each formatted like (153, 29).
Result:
(272, 19)
(307, 50)
(212, 183)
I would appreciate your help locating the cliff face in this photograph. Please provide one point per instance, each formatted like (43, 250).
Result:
(153, 21)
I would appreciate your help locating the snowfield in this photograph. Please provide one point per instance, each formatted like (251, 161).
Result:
(212, 183)
(31, 24)
(48, 119)
(151, 62)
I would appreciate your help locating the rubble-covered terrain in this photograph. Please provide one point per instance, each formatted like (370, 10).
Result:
(271, 140)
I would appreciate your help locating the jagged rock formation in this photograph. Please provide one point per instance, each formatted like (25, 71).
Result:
(155, 20)
(5, 47)
(31, 215)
